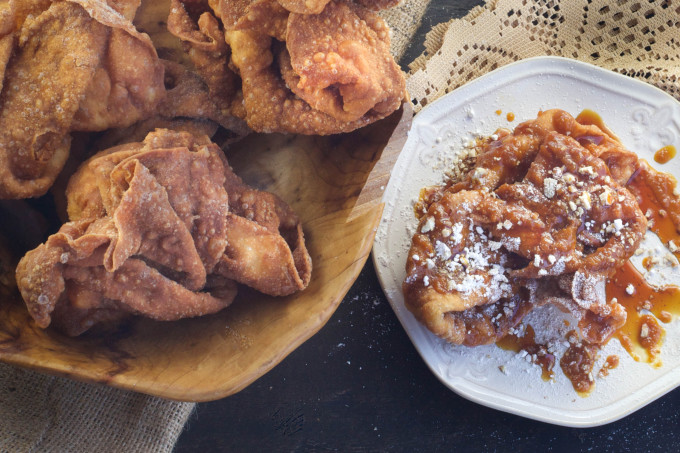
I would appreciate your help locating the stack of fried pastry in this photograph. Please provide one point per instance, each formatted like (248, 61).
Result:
(76, 65)
(160, 226)
(310, 67)
(163, 229)
(313, 67)
(543, 216)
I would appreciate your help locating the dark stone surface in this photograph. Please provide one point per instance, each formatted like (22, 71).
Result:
(359, 385)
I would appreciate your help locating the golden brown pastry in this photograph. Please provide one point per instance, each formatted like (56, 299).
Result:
(75, 65)
(347, 74)
(316, 6)
(539, 216)
(207, 50)
(162, 229)
(321, 73)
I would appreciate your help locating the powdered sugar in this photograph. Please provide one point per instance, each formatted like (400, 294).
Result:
(549, 187)
(442, 250)
(588, 290)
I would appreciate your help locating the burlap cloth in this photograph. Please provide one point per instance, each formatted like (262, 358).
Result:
(45, 413)
(637, 38)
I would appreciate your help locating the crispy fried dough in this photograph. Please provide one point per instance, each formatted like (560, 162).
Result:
(304, 6)
(209, 53)
(538, 210)
(128, 82)
(320, 74)
(153, 232)
(317, 6)
(342, 63)
(77, 65)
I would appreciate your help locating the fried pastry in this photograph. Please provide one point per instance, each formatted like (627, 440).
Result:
(543, 215)
(304, 6)
(345, 75)
(188, 106)
(316, 6)
(204, 42)
(75, 65)
(309, 73)
(162, 229)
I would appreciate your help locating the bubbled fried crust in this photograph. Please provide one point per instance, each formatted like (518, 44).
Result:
(152, 233)
(317, 6)
(322, 73)
(276, 96)
(76, 65)
(36, 145)
(128, 83)
(538, 207)
(203, 39)
(262, 221)
(346, 73)
(304, 6)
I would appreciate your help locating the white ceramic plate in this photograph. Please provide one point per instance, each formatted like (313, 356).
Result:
(643, 117)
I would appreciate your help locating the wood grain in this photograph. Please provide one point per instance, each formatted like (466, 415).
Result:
(335, 183)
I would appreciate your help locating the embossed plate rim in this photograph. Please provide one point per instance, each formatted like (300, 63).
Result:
(522, 87)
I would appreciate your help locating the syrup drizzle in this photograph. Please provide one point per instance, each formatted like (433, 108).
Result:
(591, 118)
(642, 335)
(577, 364)
(538, 352)
(610, 363)
(665, 154)
(659, 219)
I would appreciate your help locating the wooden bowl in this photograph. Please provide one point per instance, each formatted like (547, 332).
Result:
(334, 183)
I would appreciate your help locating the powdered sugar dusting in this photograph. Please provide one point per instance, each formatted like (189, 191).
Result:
(588, 290)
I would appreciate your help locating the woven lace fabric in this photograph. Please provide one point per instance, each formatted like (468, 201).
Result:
(638, 38)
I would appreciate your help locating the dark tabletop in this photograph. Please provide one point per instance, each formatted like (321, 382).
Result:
(360, 385)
